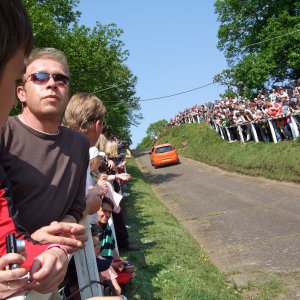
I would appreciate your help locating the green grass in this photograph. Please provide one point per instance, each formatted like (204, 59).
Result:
(171, 264)
(198, 141)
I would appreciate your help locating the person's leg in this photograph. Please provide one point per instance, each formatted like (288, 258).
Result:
(116, 286)
(277, 131)
(120, 229)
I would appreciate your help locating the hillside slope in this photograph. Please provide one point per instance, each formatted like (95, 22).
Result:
(198, 141)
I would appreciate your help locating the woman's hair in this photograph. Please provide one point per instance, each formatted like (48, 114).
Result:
(95, 163)
(101, 143)
(82, 110)
(50, 53)
(111, 149)
(15, 31)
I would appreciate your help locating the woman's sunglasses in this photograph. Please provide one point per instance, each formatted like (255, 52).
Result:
(43, 77)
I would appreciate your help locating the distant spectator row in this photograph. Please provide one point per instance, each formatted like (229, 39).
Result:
(272, 116)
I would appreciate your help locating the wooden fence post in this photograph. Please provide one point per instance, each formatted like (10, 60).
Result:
(272, 131)
(86, 266)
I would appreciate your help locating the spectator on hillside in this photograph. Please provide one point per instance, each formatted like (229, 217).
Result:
(283, 93)
(274, 95)
(262, 126)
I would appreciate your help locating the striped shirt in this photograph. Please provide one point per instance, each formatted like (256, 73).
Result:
(107, 242)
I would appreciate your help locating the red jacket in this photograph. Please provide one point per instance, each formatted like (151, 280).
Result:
(8, 224)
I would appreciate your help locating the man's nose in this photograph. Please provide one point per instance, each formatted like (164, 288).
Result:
(51, 81)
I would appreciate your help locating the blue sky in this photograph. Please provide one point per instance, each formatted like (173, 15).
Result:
(172, 46)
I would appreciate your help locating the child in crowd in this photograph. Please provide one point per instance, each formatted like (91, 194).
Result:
(124, 269)
(110, 273)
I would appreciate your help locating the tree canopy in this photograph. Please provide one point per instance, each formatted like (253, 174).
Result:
(96, 57)
(155, 128)
(260, 40)
(152, 132)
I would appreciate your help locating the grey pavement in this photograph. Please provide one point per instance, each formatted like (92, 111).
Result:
(249, 226)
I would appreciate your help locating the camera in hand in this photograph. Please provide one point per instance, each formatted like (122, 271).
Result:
(14, 245)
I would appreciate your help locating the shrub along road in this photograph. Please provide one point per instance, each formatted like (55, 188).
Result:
(250, 227)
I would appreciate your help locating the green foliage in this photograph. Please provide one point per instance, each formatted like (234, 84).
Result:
(152, 132)
(259, 39)
(145, 143)
(96, 58)
(155, 128)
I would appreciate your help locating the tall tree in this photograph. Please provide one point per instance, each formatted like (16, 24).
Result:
(152, 132)
(97, 61)
(154, 128)
(96, 56)
(260, 40)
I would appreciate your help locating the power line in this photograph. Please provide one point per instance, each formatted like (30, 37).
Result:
(268, 39)
(108, 88)
(180, 93)
(168, 96)
(188, 91)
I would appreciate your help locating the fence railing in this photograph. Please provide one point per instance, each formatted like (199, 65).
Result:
(254, 128)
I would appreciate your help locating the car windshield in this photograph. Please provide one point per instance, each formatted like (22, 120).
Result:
(164, 149)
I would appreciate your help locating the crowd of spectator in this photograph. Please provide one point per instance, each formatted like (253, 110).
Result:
(246, 119)
(63, 182)
(59, 178)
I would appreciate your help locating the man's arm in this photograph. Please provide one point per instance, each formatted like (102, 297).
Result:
(79, 203)
(72, 236)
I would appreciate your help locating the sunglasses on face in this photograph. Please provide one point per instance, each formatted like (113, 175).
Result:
(43, 77)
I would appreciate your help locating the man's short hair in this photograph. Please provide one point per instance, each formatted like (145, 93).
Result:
(50, 53)
(82, 110)
(15, 31)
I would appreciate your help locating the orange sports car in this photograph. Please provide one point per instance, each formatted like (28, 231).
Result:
(163, 154)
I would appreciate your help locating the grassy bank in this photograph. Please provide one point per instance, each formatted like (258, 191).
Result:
(171, 264)
(275, 161)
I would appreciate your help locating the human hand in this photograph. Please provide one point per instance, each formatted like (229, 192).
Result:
(48, 270)
(93, 200)
(123, 266)
(110, 164)
(122, 164)
(124, 176)
(71, 235)
(128, 267)
(103, 176)
(103, 188)
(118, 265)
(11, 281)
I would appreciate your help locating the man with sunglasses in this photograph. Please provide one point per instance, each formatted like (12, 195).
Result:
(46, 263)
(45, 162)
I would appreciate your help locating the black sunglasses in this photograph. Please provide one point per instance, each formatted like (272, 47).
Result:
(43, 77)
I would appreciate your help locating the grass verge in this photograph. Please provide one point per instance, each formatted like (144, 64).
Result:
(171, 264)
(198, 141)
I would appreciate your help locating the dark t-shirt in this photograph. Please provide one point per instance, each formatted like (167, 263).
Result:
(47, 172)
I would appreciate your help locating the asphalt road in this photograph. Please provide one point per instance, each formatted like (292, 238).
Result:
(249, 226)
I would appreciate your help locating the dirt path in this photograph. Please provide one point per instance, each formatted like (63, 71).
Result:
(250, 227)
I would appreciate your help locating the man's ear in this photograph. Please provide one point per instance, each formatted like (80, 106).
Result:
(21, 93)
(98, 126)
